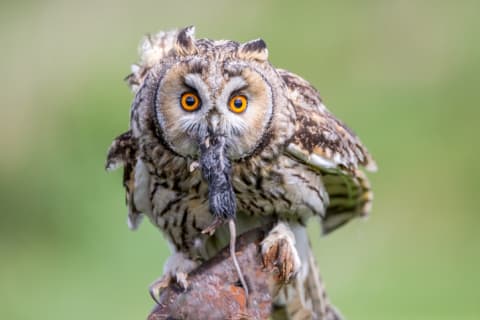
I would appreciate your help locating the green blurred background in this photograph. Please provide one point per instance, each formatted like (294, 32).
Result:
(403, 74)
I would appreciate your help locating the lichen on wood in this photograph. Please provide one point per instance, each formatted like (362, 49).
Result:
(215, 292)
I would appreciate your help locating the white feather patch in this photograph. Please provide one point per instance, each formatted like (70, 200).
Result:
(311, 158)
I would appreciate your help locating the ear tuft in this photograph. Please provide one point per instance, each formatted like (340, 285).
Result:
(254, 50)
(185, 44)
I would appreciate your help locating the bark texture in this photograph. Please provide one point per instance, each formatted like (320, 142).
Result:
(215, 292)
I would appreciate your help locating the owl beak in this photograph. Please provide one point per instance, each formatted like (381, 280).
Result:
(214, 123)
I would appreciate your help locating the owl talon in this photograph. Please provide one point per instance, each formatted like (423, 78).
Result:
(181, 280)
(279, 253)
(176, 271)
(159, 285)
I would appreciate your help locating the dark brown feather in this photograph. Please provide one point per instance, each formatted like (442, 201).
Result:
(330, 147)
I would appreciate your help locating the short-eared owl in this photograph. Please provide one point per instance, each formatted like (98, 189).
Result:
(285, 156)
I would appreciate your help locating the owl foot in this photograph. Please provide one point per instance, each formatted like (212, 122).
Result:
(176, 271)
(157, 287)
(279, 253)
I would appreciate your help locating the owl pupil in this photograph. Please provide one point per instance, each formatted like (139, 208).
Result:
(190, 101)
(238, 103)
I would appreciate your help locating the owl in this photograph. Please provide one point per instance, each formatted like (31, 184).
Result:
(217, 132)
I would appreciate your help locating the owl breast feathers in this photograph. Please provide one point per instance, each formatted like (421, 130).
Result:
(287, 156)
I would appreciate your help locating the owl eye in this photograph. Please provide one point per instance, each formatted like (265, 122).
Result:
(190, 101)
(238, 104)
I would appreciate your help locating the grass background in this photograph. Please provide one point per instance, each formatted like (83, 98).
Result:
(403, 74)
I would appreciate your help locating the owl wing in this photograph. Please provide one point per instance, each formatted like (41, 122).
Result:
(333, 150)
(123, 152)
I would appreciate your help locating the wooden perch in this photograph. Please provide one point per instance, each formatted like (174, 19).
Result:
(214, 290)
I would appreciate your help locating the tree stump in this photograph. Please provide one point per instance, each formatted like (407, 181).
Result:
(215, 292)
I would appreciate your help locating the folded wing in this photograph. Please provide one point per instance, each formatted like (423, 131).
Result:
(331, 148)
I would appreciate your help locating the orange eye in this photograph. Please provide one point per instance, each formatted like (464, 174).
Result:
(190, 101)
(238, 104)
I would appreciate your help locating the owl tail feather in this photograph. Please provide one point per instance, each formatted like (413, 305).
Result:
(307, 300)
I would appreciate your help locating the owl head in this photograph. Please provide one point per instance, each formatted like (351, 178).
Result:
(206, 89)
(217, 102)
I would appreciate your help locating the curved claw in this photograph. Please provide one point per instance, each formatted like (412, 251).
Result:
(155, 289)
(157, 286)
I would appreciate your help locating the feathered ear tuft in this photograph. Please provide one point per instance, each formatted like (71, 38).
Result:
(185, 44)
(254, 50)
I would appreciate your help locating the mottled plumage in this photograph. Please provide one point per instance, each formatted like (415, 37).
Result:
(288, 157)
